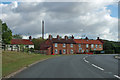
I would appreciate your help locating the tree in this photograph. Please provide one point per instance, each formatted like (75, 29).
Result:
(0, 30)
(37, 42)
(17, 36)
(6, 34)
(108, 45)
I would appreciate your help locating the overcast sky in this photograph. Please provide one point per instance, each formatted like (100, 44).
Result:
(92, 19)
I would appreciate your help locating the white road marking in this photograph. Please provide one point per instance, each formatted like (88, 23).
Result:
(84, 58)
(117, 76)
(86, 61)
(98, 67)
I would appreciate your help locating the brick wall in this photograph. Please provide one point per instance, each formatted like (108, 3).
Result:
(83, 46)
(67, 48)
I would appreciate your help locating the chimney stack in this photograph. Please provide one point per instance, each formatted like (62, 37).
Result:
(86, 38)
(72, 37)
(58, 37)
(66, 37)
(30, 38)
(42, 29)
(50, 37)
(98, 38)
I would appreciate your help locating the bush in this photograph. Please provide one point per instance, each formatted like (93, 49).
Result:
(117, 49)
(109, 52)
(26, 50)
(31, 50)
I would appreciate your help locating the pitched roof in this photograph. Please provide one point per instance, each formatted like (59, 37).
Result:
(21, 41)
(48, 43)
(69, 41)
(84, 41)
(45, 45)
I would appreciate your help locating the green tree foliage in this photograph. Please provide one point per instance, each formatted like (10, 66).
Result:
(17, 36)
(6, 34)
(111, 46)
(37, 42)
(0, 29)
(108, 46)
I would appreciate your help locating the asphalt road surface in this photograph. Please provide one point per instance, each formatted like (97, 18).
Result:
(74, 66)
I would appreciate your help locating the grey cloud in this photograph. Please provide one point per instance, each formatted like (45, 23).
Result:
(62, 17)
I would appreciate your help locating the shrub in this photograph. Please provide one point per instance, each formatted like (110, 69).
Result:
(117, 49)
(31, 50)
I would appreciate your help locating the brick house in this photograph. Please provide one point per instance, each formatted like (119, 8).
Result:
(86, 45)
(69, 46)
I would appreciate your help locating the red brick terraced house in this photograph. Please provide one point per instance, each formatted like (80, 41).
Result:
(86, 45)
(69, 46)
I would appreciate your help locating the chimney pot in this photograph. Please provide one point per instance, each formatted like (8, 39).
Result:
(86, 38)
(50, 37)
(30, 37)
(72, 37)
(98, 38)
(58, 37)
(66, 37)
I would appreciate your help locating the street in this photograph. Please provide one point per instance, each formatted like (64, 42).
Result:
(74, 66)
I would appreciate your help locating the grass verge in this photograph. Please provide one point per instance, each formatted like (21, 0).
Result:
(13, 61)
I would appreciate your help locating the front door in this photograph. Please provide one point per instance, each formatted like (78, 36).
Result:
(60, 52)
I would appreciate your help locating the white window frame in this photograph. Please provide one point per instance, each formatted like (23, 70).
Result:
(79, 45)
(100, 46)
(56, 51)
(92, 45)
(64, 51)
(64, 45)
(71, 51)
(71, 45)
(96, 46)
(87, 50)
(80, 49)
(55, 44)
(87, 45)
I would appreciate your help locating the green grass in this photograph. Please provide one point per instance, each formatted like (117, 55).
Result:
(13, 61)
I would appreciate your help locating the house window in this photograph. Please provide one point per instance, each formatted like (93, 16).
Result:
(80, 49)
(56, 51)
(92, 45)
(79, 45)
(71, 51)
(55, 44)
(95, 49)
(87, 45)
(87, 51)
(64, 45)
(64, 51)
(71, 45)
(96, 45)
(100, 46)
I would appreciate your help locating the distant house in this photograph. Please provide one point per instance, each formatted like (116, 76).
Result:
(70, 46)
(19, 44)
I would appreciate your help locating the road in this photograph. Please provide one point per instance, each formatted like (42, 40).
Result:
(73, 66)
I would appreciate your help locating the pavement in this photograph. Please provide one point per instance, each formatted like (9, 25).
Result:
(74, 66)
